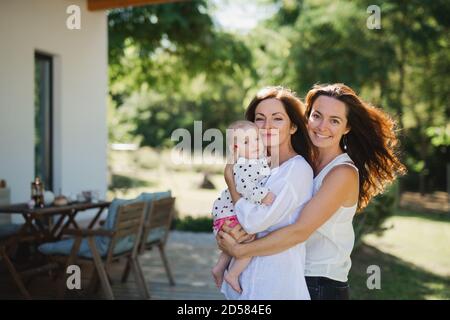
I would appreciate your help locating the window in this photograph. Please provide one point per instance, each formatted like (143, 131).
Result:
(43, 119)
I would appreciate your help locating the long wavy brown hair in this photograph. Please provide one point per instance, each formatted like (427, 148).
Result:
(372, 142)
(295, 109)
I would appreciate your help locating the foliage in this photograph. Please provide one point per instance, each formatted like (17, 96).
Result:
(125, 182)
(440, 136)
(371, 219)
(167, 73)
(404, 67)
(170, 66)
(199, 224)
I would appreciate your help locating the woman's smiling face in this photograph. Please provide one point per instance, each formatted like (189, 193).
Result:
(274, 123)
(327, 122)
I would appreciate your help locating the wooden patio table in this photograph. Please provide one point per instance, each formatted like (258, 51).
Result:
(34, 217)
(36, 230)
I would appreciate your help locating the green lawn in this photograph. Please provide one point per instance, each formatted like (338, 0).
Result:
(147, 170)
(413, 256)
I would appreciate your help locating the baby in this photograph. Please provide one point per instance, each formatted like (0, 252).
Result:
(250, 168)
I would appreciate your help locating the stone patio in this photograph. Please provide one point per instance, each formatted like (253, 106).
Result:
(191, 257)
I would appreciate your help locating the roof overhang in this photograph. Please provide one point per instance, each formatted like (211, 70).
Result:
(94, 5)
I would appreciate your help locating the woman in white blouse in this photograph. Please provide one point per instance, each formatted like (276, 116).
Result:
(291, 180)
(356, 158)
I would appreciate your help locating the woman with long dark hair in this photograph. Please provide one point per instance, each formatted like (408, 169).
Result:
(356, 158)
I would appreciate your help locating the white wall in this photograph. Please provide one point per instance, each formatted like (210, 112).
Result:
(80, 88)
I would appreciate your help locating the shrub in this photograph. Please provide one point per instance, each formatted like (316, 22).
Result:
(198, 224)
(373, 216)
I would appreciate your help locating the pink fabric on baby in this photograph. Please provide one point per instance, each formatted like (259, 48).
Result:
(217, 225)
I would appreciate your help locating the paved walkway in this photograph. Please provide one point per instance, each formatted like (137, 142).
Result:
(191, 257)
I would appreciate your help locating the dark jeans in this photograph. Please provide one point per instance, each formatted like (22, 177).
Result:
(321, 288)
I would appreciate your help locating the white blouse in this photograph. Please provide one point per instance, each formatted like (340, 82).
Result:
(279, 276)
(328, 249)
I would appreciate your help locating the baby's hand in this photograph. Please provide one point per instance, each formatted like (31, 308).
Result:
(268, 199)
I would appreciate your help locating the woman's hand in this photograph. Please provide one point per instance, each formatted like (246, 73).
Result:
(231, 246)
(237, 233)
(227, 244)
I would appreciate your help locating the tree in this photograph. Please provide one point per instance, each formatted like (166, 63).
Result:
(402, 67)
(169, 66)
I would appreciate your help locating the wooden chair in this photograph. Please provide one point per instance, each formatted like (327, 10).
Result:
(11, 237)
(156, 231)
(127, 227)
(7, 242)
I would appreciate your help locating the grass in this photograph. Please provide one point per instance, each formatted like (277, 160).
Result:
(126, 182)
(399, 279)
(148, 170)
(413, 256)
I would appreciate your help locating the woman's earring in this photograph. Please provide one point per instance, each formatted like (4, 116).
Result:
(344, 142)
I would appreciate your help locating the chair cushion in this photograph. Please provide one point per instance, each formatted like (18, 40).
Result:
(64, 247)
(156, 234)
(150, 196)
(114, 209)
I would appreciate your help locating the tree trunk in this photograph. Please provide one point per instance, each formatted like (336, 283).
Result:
(448, 180)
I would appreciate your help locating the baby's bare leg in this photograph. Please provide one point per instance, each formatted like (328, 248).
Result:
(219, 269)
(235, 270)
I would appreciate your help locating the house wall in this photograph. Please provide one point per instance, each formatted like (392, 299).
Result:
(80, 88)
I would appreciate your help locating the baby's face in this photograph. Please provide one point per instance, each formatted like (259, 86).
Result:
(249, 143)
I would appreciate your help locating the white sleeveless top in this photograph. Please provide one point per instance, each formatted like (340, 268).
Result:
(328, 249)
